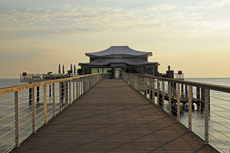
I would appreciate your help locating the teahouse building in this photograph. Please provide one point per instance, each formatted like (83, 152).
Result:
(119, 58)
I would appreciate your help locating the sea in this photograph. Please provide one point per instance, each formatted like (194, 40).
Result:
(219, 115)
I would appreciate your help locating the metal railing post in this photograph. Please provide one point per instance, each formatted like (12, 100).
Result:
(178, 102)
(70, 94)
(158, 92)
(137, 83)
(143, 80)
(54, 104)
(77, 86)
(80, 86)
(163, 95)
(45, 104)
(16, 102)
(74, 83)
(206, 116)
(60, 97)
(33, 111)
(148, 87)
(88, 82)
(65, 94)
(153, 91)
(190, 109)
(170, 97)
(83, 83)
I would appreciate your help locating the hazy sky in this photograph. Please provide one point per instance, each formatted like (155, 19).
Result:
(192, 36)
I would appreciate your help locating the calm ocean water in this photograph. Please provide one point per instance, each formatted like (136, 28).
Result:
(216, 114)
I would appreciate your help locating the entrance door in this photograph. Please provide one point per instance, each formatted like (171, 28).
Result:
(117, 74)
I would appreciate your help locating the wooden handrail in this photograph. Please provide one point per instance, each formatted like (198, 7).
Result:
(32, 85)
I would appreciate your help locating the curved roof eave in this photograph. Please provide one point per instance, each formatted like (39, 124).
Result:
(104, 62)
(118, 50)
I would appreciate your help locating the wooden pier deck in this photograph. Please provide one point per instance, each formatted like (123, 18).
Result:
(113, 117)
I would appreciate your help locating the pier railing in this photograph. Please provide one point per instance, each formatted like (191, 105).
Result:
(43, 77)
(203, 108)
(25, 108)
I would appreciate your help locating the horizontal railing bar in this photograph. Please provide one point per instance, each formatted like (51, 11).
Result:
(7, 124)
(220, 132)
(7, 133)
(197, 91)
(26, 135)
(220, 124)
(6, 100)
(32, 85)
(218, 140)
(8, 149)
(7, 116)
(6, 141)
(25, 122)
(6, 108)
(26, 129)
(197, 84)
(82, 85)
(25, 115)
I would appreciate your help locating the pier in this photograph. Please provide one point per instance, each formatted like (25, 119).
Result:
(111, 115)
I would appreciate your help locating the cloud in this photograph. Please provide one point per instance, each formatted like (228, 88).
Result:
(15, 53)
(217, 3)
(161, 7)
(80, 20)
(209, 4)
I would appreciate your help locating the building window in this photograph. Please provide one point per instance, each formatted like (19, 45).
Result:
(94, 70)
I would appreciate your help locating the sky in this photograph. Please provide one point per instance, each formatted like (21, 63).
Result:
(191, 36)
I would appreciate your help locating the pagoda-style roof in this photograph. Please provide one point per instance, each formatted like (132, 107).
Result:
(118, 50)
(106, 62)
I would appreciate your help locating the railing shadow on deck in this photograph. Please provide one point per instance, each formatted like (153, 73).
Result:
(200, 107)
(26, 108)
